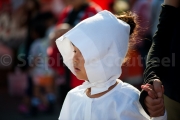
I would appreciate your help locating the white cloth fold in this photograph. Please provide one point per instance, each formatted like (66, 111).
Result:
(97, 87)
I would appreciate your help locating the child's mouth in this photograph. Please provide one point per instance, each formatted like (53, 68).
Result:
(76, 69)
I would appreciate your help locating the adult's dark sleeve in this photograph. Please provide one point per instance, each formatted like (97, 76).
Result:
(160, 48)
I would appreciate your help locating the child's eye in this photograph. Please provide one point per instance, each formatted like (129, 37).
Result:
(74, 51)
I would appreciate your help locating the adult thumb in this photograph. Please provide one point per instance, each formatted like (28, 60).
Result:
(158, 87)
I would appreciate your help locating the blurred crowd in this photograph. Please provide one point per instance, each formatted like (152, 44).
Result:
(30, 63)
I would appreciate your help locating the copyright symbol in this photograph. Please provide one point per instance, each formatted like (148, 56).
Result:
(6, 60)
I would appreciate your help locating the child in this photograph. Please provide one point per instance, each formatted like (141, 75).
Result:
(94, 51)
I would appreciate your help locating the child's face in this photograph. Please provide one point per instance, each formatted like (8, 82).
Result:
(78, 64)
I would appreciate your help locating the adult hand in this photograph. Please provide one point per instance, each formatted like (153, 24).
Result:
(154, 101)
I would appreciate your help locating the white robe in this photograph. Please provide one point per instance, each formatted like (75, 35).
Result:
(121, 103)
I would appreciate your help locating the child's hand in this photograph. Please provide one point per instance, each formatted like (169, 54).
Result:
(154, 101)
(150, 90)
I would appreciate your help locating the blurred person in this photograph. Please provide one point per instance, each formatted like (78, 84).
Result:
(13, 30)
(165, 47)
(32, 9)
(57, 64)
(76, 11)
(6, 44)
(41, 74)
(102, 96)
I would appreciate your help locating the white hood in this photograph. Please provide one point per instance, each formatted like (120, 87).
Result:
(103, 42)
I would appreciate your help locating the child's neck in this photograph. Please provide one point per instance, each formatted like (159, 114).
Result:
(88, 91)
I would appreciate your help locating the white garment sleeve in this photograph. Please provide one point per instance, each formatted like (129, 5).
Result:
(136, 112)
(161, 117)
(142, 112)
(64, 114)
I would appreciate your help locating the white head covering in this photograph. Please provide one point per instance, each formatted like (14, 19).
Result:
(103, 41)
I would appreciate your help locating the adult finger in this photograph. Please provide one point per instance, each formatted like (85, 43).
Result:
(150, 91)
(157, 113)
(155, 107)
(158, 87)
(153, 102)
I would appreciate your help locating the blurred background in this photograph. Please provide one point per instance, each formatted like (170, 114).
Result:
(33, 79)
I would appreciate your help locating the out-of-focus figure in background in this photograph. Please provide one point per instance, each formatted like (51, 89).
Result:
(40, 72)
(40, 23)
(55, 61)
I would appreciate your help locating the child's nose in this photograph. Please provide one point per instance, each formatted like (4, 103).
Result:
(75, 58)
